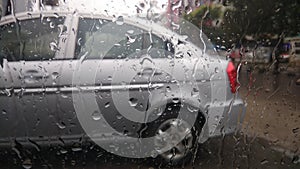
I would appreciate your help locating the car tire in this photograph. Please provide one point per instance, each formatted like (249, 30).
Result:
(183, 152)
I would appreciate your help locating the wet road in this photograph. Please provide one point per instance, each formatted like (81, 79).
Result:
(270, 138)
(273, 106)
(218, 153)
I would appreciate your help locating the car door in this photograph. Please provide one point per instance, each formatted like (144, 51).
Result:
(6, 98)
(33, 47)
(111, 75)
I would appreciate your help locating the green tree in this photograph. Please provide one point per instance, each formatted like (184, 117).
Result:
(260, 19)
(208, 18)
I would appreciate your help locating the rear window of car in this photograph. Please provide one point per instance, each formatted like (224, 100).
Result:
(98, 38)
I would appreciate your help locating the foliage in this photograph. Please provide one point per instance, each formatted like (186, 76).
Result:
(207, 12)
(259, 19)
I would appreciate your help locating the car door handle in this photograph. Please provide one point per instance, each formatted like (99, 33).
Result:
(149, 72)
(33, 76)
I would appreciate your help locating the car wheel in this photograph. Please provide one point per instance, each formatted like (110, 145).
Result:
(172, 150)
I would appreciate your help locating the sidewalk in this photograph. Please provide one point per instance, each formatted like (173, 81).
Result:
(273, 107)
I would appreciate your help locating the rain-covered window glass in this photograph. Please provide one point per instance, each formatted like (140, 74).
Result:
(109, 40)
(209, 84)
(30, 40)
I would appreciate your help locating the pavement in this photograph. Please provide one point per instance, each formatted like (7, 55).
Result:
(273, 107)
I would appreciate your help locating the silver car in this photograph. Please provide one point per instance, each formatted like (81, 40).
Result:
(67, 78)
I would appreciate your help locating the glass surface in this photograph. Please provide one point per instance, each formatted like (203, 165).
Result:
(212, 84)
(116, 41)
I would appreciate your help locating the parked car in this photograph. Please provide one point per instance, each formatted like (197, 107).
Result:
(260, 54)
(283, 53)
(62, 73)
(289, 50)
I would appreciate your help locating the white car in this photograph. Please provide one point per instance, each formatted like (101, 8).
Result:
(70, 76)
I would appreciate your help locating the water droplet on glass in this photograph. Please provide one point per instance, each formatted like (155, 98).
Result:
(52, 25)
(296, 130)
(53, 46)
(119, 117)
(159, 112)
(4, 112)
(56, 15)
(79, 41)
(175, 100)
(267, 90)
(175, 25)
(109, 78)
(54, 75)
(8, 92)
(96, 115)
(133, 102)
(64, 96)
(30, 79)
(264, 161)
(191, 109)
(176, 5)
(125, 132)
(120, 20)
(48, 19)
(296, 159)
(146, 60)
(76, 149)
(195, 92)
(172, 63)
(63, 151)
(216, 70)
(130, 31)
(168, 89)
(83, 57)
(217, 118)
(61, 125)
(27, 164)
(107, 105)
(131, 40)
(178, 53)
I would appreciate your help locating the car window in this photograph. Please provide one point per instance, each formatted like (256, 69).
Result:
(99, 38)
(30, 40)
